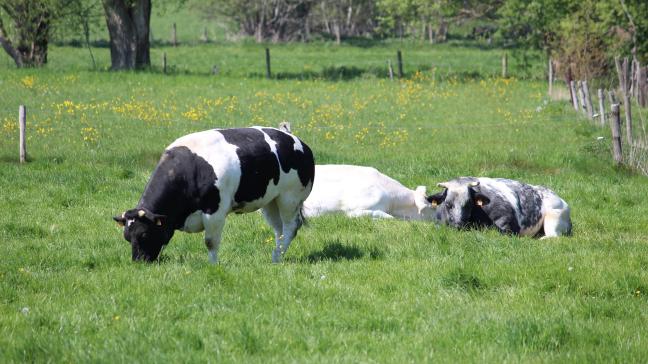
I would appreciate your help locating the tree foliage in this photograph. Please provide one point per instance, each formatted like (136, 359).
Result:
(25, 27)
(583, 35)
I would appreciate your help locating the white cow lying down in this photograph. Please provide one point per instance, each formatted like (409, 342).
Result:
(364, 191)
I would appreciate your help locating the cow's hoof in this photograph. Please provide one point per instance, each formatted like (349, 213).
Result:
(276, 256)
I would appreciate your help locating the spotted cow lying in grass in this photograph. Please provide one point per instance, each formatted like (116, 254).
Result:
(511, 206)
(204, 176)
(364, 191)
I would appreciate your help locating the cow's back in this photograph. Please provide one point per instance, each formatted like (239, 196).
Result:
(253, 165)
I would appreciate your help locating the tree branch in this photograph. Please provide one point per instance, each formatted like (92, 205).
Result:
(633, 28)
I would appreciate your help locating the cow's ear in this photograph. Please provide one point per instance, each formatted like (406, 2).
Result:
(481, 200)
(152, 217)
(159, 220)
(437, 199)
(121, 220)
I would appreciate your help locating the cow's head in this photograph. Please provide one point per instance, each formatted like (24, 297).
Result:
(146, 232)
(456, 203)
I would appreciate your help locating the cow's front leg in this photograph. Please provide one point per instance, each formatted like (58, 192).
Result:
(213, 229)
(556, 222)
(507, 225)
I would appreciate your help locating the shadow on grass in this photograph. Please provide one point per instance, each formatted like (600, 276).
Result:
(335, 251)
(462, 280)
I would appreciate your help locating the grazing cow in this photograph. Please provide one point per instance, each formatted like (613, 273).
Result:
(511, 206)
(202, 177)
(364, 191)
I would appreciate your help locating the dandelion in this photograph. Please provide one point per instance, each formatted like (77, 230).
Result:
(89, 134)
(9, 126)
(28, 82)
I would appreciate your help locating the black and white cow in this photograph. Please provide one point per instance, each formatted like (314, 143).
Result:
(513, 207)
(202, 177)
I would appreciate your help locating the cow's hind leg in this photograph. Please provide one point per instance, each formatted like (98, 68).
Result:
(291, 219)
(213, 228)
(557, 222)
(272, 216)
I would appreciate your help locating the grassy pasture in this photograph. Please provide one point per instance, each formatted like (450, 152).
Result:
(350, 290)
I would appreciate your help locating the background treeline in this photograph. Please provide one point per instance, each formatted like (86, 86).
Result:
(583, 34)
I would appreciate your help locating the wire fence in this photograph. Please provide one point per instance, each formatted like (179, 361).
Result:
(629, 136)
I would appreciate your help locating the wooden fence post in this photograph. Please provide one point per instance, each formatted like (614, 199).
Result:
(174, 35)
(588, 101)
(601, 98)
(628, 116)
(164, 62)
(550, 78)
(581, 97)
(621, 72)
(624, 82)
(205, 36)
(642, 89)
(504, 65)
(399, 55)
(612, 97)
(634, 69)
(391, 70)
(572, 87)
(22, 126)
(267, 54)
(615, 125)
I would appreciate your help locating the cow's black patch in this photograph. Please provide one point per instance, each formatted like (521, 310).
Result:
(498, 211)
(289, 158)
(529, 203)
(259, 164)
(182, 183)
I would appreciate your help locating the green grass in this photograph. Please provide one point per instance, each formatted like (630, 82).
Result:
(350, 290)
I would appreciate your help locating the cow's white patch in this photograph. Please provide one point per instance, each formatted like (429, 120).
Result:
(298, 145)
(221, 156)
(364, 191)
(271, 143)
(129, 222)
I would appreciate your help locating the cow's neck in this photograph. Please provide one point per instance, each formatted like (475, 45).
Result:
(164, 195)
(406, 207)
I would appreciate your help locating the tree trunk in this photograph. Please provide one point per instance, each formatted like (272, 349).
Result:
(306, 36)
(128, 27)
(336, 30)
(327, 25)
(8, 47)
(442, 34)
